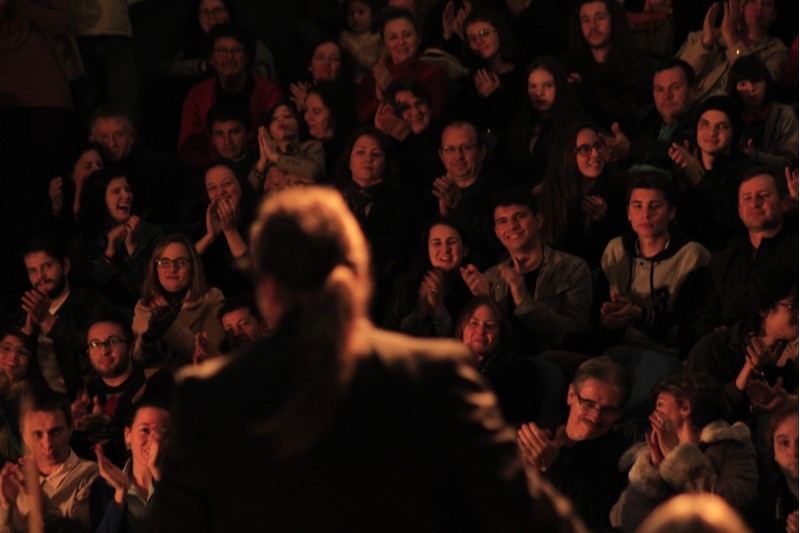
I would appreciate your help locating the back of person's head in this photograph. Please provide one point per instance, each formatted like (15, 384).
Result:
(764, 289)
(652, 180)
(605, 370)
(228, 112)
(515, 196)
(750, 68)
(694, 513)
(701, 392)
(310, 259)
(686, 68)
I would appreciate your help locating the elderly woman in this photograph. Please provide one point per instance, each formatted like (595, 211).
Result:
(361, 426)
(176, 304)
(690, 449)
(401, 39)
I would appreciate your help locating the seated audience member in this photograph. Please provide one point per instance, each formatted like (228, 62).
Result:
(379, 200)
(690, 449)
(769, 134)
(580, 457)
(582, 198)
(775, 508)
(114, 245)
(646, 270)
(282, 152)
(545, 293)
(550, 107)
(192, 61)
(708, 178)
(770, 241)
(401, 39)
(406, 117)
(744, 31)
(225, 231)
(698, 513)
(465, 191)
(232, 83)
(230, 130)
(176, 303)
(495, 89)
(56, 315)
(426, 301)
(612, 79)
(361, 41)
(65, 479)
(748, 358)
(154, 176)
(324, 64)
(61, 216)
(126, 497)
(241, 320)
(527, 388)
(646, 144)
(17, 375)
(116, 389)
(330, 117)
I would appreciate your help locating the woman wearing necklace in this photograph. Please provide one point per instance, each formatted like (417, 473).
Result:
(647, 269)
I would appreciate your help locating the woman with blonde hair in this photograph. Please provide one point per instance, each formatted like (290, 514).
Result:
(368, 428)
(176, 304)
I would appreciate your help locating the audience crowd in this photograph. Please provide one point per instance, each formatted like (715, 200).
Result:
(599, 203)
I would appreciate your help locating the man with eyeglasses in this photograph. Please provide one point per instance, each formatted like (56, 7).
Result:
(465, 190)
(580, 458)
(233, 84)
(545, 293)
(118, 386)
(56, 315)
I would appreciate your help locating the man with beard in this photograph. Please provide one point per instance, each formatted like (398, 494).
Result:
(110, 398)
(56, 315)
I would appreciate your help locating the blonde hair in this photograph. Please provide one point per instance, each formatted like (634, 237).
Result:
(307, 241)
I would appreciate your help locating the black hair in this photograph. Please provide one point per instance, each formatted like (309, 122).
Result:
(231, 31)
(50, 244)
(750, 68)
(340, 101)
(112, 317)
(761, 170)
(225, 112)
(415, 87)
(239, 301)
(93, 216)
(40, 398)
(765, 288)
(389, 14)
(508, 44)
(621, 42)
(702, 392)
(515, 196)
(653, 180)
(688, 71)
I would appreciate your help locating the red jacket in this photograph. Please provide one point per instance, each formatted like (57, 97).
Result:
(195, 149)
(435, 79)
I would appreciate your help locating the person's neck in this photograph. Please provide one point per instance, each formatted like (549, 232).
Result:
(462, 182)
(233, 84)
(758, 235)
(528, 259)
(687, 433)
(754, 36)
(600, 54)
(119, 380)
(652, 246)
(142, 478)
(708, 160)
(368, 182)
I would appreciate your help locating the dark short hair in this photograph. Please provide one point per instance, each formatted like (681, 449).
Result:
(40, 398)
(231, 31)
(750, 68)
(605, 370)
(112, 318)
(50, 244)
(703, 394)
(761, 170)
(110, 110)
(239, 301)
(93, 215)
(669, 64)
(389, 14)
(415, 87)
(764, 289)
(651, 180)
(225, 112)
(515, 196)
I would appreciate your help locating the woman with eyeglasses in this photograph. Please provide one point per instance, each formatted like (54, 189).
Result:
(755, 360)
(491, 98)
(176, 304)
(582, 198)
(113, 246)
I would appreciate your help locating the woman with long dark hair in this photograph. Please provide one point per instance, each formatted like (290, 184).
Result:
(365, 427)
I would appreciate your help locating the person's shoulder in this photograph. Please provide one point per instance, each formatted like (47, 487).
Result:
(203, 87)
(563, 259)
(397, 349)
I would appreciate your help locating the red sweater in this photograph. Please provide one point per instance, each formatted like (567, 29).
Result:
(195, 149)
(435, 78)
